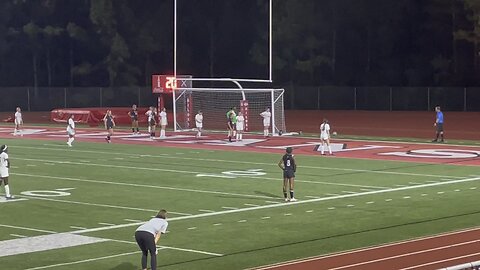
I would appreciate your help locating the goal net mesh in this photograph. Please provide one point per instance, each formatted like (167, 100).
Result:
(215, 102)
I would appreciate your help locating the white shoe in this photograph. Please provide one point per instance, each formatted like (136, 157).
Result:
(287, 200)
(293, 200)
(69, 144)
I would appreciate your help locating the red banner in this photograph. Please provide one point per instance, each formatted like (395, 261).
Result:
(244, 110)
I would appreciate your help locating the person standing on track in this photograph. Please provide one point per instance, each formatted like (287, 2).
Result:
(147, 236)
(134, 116)
(163, 123)
(231, 120)
(4, 167)
(289, 167)
(109, 125)
(199, 123)
(325, 136)
(71, 130)
(439, 125)
(18, 122)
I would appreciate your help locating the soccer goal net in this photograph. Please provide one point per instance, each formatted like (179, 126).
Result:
(215, 102)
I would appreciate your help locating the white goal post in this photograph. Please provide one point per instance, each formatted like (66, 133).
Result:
(215, 102)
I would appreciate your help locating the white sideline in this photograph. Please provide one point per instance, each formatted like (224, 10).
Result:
(242, 162)
(26, 229)
(140, 185)
(289, 204)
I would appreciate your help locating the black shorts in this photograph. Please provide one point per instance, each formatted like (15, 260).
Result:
(230, 125)
(152, 123)
(288, 174)
(439, 127)
(109, 126)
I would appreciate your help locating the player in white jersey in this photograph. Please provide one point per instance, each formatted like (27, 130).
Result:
(325, 136)
(163, 123)
(18, 122)
(71, 130)
(4, 166)
(240, 126)
(152, 123)
(267, 115)
(199, 123)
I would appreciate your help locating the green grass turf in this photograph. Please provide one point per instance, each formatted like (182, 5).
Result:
(114, 182)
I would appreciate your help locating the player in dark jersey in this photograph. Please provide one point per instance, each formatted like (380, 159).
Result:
(289, 167)
(109, 124)
(134, 116)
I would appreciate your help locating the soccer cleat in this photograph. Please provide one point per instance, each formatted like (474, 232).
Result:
(69, 144)
(287, 200)
(293, 200)
(9, 197)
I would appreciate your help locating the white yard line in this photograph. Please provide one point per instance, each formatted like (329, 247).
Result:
(18, 235)
(173, 248)
(53, 162)
(83, 261)
(236, 162)
(290, 204)
(140, 185)
(26, 229)
(97, 204)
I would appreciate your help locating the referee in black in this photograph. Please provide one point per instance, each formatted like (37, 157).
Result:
(147, 236)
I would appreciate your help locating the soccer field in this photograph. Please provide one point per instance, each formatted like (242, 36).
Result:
(226, 209)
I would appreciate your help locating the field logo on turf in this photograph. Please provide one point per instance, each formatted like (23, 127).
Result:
(234, 174)
(436, 153)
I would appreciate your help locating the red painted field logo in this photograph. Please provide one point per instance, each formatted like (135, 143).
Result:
(436, 153)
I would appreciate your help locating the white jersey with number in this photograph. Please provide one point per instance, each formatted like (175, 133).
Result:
(266, 118)
(324, 131)
(240, 123)
(3, 164)
(199, 120)
(18, 118)
(163, 118)
(71, 127)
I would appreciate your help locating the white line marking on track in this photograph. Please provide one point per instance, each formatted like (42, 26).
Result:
(287, 214)
(407, 197)
(83, 261)
(192, 228)
(309, 211)
(388, 200)
(370, 248)
(292, 203)
(370, 202)
(440, 192)
(331, 208)
(217, 224)
(457, 190)
(265, 218)
(242, 221)
(350, 205)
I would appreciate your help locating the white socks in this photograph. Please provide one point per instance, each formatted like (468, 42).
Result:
(239, 137)
(162, 133)
(199, 134)
(329, 149)
(149, 129)
(70, 140)
(265, 132)
(7, 191)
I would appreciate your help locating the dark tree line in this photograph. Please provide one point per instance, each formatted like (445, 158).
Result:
(316, 42)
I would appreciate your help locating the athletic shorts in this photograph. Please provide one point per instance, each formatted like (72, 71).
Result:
(4, 172)
(70, 132)
(18, 122)
(109, 126)
(439, 127)
(152, 123)
(288, 174)
(324, 137)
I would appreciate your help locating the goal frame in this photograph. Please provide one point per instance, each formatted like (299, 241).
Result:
(274, 129)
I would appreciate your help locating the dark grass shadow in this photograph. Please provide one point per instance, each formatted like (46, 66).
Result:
(126, 266)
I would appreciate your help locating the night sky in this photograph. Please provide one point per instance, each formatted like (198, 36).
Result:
(316, 42)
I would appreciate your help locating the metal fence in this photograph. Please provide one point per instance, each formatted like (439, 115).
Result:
(296, 97)
(383, 98)
(46, 99)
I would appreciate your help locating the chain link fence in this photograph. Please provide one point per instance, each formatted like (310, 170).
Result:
(296, 97)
